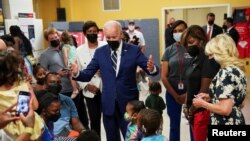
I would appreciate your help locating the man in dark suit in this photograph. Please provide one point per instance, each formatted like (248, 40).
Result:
(231, 31)
(117, 63)
(211, 29)
(169, 39)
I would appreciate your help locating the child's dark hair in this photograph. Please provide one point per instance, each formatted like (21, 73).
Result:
(65, 37)
(10, 64)
(36, 69)
(44, 99)
(88, 135)
(150, 119)
(137, 105)
(16, 31)
(73, 40)
(50, 73)
(8, 40)
(155, 87)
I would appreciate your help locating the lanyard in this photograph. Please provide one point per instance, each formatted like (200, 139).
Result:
(180, 61)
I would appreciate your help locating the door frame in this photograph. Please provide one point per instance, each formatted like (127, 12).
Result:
(164, 12)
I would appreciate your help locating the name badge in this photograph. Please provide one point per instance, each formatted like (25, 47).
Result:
(180, 86)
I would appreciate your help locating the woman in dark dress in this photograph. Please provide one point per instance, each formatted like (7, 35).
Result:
(199, 74)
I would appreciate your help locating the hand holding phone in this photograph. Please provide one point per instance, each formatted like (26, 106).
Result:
(23, 103)
(65, 69)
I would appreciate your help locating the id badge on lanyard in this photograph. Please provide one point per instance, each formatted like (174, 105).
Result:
(181, 64)
(180, 85)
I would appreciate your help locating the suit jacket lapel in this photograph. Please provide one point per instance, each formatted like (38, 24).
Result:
(123, 57)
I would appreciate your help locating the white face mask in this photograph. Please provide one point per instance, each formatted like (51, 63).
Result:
(177, 36)
(131, 27)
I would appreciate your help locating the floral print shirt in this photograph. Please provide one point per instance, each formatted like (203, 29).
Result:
(229, 82)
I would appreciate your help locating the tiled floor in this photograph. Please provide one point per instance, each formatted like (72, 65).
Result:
(184, 125)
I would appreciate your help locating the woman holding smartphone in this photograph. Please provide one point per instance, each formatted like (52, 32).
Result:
(11, 84)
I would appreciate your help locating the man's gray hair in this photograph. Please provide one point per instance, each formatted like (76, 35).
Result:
(112, 23)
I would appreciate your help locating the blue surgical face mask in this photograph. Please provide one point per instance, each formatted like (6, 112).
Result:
(177, 36)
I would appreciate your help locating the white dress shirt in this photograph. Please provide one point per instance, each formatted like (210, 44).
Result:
(84, 56)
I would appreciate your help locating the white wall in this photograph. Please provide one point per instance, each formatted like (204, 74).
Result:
(197, 16)
(13, 7)
(219, 14)
(178, 14)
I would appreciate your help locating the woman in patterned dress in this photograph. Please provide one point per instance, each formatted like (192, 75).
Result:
(228, 88)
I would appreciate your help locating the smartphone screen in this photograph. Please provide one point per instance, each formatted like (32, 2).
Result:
(23, 103)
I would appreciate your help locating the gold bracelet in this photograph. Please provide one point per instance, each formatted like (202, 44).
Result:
(28, 130)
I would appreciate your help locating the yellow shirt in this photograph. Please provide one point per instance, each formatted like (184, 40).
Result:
(14, 129)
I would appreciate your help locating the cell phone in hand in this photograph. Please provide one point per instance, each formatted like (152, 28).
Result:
(65, 69)
(23, 103)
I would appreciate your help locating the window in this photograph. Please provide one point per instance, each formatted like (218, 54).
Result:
(111, 4)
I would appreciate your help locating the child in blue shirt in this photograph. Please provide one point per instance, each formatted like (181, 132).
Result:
(132, 109)
(149, 121)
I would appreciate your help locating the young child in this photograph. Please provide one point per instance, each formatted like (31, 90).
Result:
(154, 101)
(12, 84)
(132, 109)
(88, 135)
(39, 73)
(69, 57)
(148, 122)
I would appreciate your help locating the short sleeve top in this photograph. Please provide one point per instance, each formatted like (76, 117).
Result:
(14, 129)
(230, 82)
(178, 60)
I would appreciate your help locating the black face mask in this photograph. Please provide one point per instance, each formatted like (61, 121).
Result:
(113, 44)
(55, 117)
(55, 43)
(214, 64)
(54, 88)
(211, 22)
(92, 38)
(193, 50)
(40, 81)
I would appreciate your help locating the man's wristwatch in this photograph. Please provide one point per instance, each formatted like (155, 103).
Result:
(28, 130)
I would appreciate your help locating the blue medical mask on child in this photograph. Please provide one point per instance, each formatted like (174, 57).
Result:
(177, 36)
(127, 117)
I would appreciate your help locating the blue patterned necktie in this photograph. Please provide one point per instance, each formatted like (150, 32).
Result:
(114, 60)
